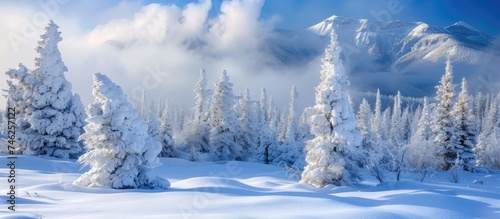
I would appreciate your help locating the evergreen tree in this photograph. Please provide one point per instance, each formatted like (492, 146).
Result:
(165, 135)
(385, 126)
(201, 96)
(273, 122)
(376, 123)
(120, 152)
(422, 154)
(51, 118)
(363, 118)
(443, 127)
(364, 125)
(247, 137)
(332, 156)
(395, 130)
(464, 138)
(405, 126)
(223, 123)
(198, 132)
(290, 151)
(487, 148)
(304, 128)
(263, 141)
(153, 124)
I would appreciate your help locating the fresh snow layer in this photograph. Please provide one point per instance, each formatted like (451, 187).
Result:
(241, 190)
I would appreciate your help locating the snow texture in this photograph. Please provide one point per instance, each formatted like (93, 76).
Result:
(332, 156)
(120, 153)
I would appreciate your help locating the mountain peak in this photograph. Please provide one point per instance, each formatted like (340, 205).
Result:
(331, 18)
(465, 25)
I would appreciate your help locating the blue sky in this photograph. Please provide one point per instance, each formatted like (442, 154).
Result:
(484, 15)
(88, 26)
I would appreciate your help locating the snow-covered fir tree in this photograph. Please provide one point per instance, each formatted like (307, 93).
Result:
(395, 129)
(364, 123)
(376, 123)
(406, 122)
(422, 154)
(282, 126)
(201, 95)
(166, 135)
(443, 127)
(153, 123)
(274, 129)
(487, 150)
(247, 137)
(51, 118)
(264, 134)
(304, 133)
(465, 135)
(385, 126)
(332, 156)
(263, 140)
(223, 145)
(290, 150)
(198, 128)
(120, 153)
(23, 83)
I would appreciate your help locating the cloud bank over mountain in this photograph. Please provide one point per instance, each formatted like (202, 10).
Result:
(161, 48)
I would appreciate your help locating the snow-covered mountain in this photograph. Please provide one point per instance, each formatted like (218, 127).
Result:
(396, 55)
(398, 45)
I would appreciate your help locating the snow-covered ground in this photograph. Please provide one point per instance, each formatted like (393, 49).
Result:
(242, 190)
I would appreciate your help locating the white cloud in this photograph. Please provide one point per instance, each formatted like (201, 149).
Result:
(175, 42)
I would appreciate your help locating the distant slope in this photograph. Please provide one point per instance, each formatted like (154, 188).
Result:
(409, 56)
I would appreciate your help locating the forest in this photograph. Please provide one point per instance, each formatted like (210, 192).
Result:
(331, 142)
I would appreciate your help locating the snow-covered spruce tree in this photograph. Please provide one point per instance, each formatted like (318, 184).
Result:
(264, 104)
(120, 152)
(153, 123)
(479, 107)
(465, 136)
(16, 92)
(332, 156)
(274, 129)
(363, 118)
(304, 128)
(376, 123)
(414, 121)
(198, 131)
(406, 123)
(165, 135)
(290, 150)
(223, 125)
(422, 154)
(443, 127)
(52, 117)
(487, 148)
(282, 127)
(264, 133)
(385, 126)
(201, 95)
(395, 130)
(247, 137)
(17, 99)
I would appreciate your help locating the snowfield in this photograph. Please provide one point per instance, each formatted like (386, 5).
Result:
(242, 190)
